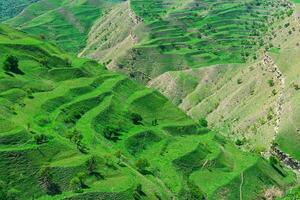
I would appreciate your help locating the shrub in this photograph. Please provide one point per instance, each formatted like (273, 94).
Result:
(76, 137)
(239, 142)
(77, 183)
(40, 138)
(203, 122)
(142, 165)
(271, 82)
(239, 81)
(139, 193)
(296, 86)
(11, 64)
(136, 118)
(112, 133)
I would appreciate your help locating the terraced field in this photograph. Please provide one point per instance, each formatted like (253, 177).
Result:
(176, 35)
(69, 129)
(65, 23)
(252, 102)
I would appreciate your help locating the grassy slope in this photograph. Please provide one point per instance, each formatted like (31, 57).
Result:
(60, 96)
(191, 34)
(11, 8)
(112, 35)
(67, 23)
(239, 111)
(237, 99)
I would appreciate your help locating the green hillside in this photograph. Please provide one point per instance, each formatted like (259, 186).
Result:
(66, 22)
(72, 130)
(11, 8)
(176, 35)
(255, 102)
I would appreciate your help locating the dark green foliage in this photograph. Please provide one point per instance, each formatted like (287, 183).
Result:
(112, 133)
(76, 137)
(239, 142)
(140, 141)
(136, 118)
(40, 138)
(92, 166)
(192, 161)
(203, 122)
(239, 81)
(296, 86)
(138, 194)
(191, 192)
(77, 183)
(271, 83)
(11, 64)
(46, 181)
(143, 165)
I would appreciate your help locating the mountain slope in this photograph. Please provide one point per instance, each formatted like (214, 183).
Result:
(76, 131)
(177, 35)
(255, 102)
(66, 23)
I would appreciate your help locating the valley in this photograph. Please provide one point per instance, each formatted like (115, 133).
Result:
(150, 99)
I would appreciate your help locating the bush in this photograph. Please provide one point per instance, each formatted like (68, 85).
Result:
(11, 64)
(40, 138)
(77, 183)
(142, 165)
(136, 119)
(112, 133)
(76, 137)
(271, 83)
(203, 122)
(239, 81)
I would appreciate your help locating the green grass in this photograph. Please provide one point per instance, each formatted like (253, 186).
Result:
(69, 94)
(65, 23)
(188, 34)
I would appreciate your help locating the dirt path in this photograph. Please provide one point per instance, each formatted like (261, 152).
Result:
(241, 186)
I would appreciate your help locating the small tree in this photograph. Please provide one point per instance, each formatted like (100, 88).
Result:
(136, 118)
(203, 122)
(142, 165)
(40, 138)
(77, 183)
(154, 122)
(76, 137)
(91, 165)
(112, 133)
(271, 83)
(11, 64)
